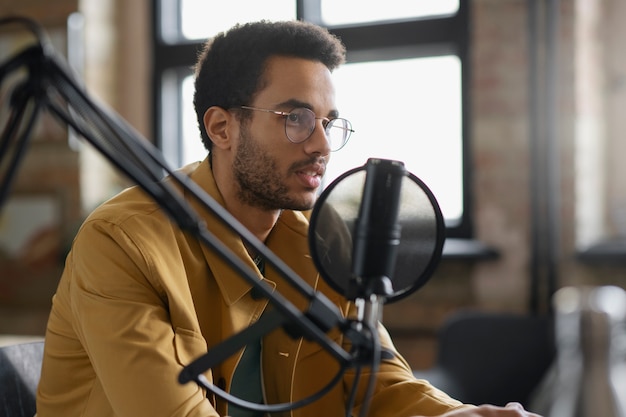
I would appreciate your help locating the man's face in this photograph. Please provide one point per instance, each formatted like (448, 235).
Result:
(272, 172)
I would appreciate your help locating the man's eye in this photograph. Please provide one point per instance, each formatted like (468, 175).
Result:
(293, 117)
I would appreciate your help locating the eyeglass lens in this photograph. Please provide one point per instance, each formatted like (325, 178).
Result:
(300, 124)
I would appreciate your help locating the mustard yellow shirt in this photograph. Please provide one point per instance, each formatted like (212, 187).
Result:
(139, 299)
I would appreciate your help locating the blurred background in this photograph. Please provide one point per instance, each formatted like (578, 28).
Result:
(510, 110)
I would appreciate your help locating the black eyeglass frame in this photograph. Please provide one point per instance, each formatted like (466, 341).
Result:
(327, 123)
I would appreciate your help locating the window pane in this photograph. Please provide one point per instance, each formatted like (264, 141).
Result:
(170, 116)
(407, 110)
(178, 119)
(192, 149)
(363, 11)
(204, 18)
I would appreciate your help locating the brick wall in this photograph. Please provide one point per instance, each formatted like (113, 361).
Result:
(49, 171)
(71, 179)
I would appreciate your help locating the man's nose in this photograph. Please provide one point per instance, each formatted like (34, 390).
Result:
(318, 141)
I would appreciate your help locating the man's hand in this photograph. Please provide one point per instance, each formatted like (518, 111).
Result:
(510, 410)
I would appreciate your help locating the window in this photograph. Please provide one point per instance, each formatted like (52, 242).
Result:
(417, 122)
(404, 87)
(334, 13)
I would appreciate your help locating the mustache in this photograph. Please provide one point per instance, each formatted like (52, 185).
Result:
(315, 160)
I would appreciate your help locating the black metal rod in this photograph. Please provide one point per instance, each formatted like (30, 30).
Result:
(544, 153)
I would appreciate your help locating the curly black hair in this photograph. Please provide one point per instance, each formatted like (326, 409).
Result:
(229, 67)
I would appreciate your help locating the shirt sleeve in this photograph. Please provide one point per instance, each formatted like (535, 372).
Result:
(123, 319)
(397, 392)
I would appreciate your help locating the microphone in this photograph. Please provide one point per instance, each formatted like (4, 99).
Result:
(393, 232)
(375, 248)
(377, 230)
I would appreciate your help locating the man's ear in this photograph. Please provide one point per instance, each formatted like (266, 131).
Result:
(219, 124)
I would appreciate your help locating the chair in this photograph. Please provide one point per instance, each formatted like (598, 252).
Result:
(20, 370)
(486, 358)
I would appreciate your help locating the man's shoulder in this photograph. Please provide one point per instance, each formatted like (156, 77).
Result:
(131, 203)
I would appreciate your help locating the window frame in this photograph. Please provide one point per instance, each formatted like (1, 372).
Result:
(431, 36)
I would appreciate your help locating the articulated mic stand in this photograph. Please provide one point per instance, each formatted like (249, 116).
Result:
(48, 85)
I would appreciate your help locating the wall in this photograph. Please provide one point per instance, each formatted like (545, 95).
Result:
(45, 191)
(57, 184)
(117, 71)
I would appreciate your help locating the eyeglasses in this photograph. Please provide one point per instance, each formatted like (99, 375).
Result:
(300, 124)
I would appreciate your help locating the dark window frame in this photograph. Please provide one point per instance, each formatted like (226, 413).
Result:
(414, 37)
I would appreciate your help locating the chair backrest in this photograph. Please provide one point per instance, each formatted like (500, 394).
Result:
(20, 370)
(492, 358)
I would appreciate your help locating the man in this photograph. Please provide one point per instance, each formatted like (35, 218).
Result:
(139, 299)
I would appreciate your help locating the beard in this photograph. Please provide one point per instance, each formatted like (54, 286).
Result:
(259, 180)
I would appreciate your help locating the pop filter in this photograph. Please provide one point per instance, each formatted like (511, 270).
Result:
(333, 233)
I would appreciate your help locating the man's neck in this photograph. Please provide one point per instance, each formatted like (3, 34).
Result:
(259, 222)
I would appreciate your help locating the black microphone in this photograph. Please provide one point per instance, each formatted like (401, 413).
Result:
(377, 230)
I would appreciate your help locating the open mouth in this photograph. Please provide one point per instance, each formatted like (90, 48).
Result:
(311, 175)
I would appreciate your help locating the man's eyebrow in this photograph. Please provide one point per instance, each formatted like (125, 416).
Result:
(294, 103)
